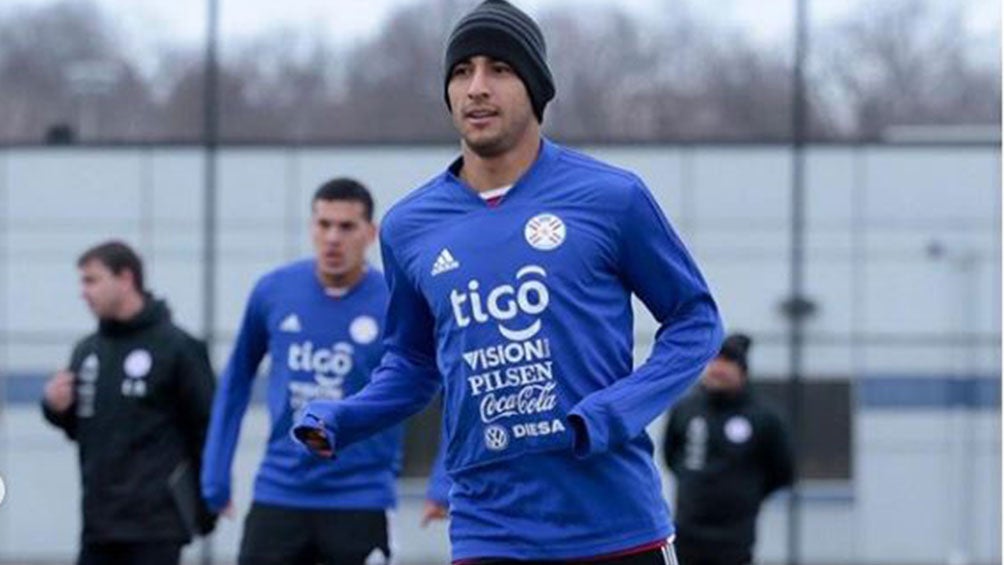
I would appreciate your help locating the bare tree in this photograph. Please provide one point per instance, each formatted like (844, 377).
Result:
(619, 77)
(601, 59)
(906, 62)
(394, 88)
(63, 63)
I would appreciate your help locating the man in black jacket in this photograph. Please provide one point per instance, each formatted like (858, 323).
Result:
(728, 451)
(136, 398)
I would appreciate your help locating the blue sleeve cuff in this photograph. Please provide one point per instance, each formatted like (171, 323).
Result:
(216, 498)
(439, 491)
(309, 422)
(589, 436)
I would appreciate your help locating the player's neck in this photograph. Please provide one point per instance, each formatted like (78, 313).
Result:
(488, 173)
(342, 283)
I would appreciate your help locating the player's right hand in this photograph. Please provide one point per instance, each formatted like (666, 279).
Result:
(310, 432)
(317, 441)
(228, 511)
(58, 394)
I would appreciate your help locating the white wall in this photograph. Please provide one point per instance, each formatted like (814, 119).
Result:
(925, 484)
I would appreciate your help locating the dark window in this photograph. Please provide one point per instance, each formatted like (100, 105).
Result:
(824, 426)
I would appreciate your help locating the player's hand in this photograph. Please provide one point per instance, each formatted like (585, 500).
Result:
(316, 439)
(58, 394)
(229, 512)
(434, 511)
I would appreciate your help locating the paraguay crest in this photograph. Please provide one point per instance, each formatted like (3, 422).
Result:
(545, 232)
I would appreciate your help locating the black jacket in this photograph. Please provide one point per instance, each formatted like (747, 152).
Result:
(728, 454)
(143, 392)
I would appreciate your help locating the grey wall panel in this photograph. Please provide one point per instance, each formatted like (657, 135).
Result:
(887, 308)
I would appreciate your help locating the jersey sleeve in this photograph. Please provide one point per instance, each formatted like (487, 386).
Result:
(438, 489)
(231, 401)
(654, 265)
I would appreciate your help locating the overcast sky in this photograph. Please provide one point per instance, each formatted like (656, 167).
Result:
(183, 21)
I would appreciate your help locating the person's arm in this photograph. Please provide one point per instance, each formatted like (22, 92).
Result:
(655, 265)
(231, 402)
(778, 456)
(672, 441)
(437, 505)
(59, 398)
(438, 489)
(59, 402)
(195, 392)
(405, 381)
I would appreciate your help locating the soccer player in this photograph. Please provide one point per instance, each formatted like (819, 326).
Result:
(136, 399)
(511, 275)
(729, 451)
(320, 321)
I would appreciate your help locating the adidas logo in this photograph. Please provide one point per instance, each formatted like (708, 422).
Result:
(291, 324)
(445, 262)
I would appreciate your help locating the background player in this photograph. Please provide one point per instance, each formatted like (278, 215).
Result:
(320, 320)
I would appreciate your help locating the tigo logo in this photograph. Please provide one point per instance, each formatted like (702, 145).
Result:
(503, 303)
(336, 360)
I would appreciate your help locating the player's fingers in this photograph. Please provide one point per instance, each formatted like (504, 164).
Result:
(320, 447)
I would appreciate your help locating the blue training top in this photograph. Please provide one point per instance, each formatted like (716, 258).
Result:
(320, 346)
(525, 310)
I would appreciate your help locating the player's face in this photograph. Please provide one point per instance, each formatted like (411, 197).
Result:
(341, 235)
(722, 375)
(102, 289)
(491, 107)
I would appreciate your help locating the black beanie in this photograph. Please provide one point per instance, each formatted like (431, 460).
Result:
(736, 348)
(502, 31)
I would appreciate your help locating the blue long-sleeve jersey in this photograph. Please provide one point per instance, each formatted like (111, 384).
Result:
(320, 346)
(525, 309)
(438, 489)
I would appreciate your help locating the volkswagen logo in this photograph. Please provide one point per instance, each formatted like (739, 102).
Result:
(496, 438)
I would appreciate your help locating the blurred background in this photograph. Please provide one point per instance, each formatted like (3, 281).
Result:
(840, 187)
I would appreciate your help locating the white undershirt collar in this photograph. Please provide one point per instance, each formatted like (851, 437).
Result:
(495, 192)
